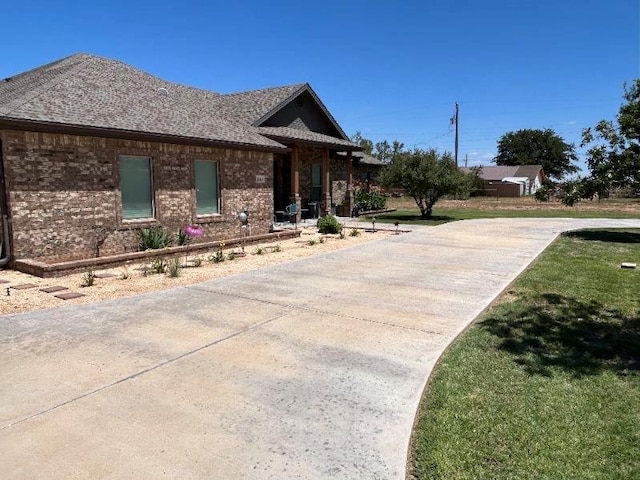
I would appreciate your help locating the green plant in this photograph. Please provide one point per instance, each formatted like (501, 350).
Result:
(159, 265)
(125, 274)
(370, 201)
(231, 255)
(183, 238)
(153, 238)
(342, 235)
(323, 239)
(145, 271)
(173, 267)
(218, 256)
(311, 242)
(88, 278)
(277, 248)
(259, 250)
(354, 232)
(197, 261)
(329, 224)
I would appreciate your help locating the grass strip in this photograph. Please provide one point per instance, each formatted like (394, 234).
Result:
(547, 383)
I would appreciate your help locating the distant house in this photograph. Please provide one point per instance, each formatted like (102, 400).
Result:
(507, 181)
(92, 150)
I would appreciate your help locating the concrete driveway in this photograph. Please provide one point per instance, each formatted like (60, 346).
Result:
(311, 369)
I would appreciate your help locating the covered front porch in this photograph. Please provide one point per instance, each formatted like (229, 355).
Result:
(313, 177)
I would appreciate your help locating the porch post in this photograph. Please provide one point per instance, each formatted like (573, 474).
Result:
(295, 181)
(350, 198)
(326, 182)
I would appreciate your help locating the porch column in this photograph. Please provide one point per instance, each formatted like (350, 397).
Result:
(350, 197)
(295, 181)
(326, 182)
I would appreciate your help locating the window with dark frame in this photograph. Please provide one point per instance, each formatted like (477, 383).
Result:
(207, 187)
(136, 187)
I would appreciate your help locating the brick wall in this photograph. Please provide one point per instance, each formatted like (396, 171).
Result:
(64, 198)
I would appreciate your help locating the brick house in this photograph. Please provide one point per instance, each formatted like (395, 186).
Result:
(92, 150)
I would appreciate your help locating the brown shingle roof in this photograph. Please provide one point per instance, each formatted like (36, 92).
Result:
(88, 91)
(286, 134)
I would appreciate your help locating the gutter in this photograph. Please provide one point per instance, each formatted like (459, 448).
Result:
(5, 248)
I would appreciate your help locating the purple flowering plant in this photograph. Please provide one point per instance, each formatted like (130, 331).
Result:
(186, 234)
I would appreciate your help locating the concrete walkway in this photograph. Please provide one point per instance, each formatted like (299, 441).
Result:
(311, 369)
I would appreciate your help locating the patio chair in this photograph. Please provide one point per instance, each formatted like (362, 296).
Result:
(291, 212)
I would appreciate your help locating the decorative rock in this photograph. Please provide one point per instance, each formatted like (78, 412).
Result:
(104, 275)
(628, 265)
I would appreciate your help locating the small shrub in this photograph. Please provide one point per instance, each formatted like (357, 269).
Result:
(145, 271)
(196, 262)
(311, 242)
(370, 201)
(277, 248)
(218, 256)
(259, 251)
(231, 255)
(354, 232)
(543, 194)
(125, 275)
(153, 238)
(88, 278)
(322, 240)
(173, 267)
(342, 235)
(329, 224)
(183, 238)
(159, 265)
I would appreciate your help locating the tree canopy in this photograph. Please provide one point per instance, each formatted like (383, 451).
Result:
(613, 155)
(381, 150)
(425, 175)
(537, 147)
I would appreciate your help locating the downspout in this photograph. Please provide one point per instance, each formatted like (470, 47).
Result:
(5, 249)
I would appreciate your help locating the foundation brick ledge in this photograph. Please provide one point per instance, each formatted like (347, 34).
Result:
(48, 270)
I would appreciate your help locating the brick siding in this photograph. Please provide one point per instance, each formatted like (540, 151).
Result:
(64, 197)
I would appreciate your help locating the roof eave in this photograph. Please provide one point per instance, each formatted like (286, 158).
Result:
(313, 143)
(53, 127)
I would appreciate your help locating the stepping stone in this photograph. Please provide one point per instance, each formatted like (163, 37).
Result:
(69, 295)
(24, 286)
(4, 281)
(53, 288)
(104, 275)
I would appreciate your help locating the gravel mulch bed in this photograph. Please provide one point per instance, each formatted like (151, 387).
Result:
(132, 280)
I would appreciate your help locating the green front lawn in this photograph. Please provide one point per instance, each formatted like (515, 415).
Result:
(547, 383)
(524, 207)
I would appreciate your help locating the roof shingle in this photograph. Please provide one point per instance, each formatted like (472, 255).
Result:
(90, 91)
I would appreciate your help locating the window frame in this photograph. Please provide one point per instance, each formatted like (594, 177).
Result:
(218, 190)
(152, 198)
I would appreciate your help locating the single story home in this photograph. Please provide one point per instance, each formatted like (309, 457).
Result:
(92, 150)
(510, 181)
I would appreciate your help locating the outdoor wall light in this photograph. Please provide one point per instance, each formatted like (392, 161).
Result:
(243, 217)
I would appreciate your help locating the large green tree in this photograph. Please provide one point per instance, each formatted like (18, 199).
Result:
(613, 156)
(365, 143)
(425, 175)
(538, 147)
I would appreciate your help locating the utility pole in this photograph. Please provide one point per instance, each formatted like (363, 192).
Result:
(466, 157)
(456, 118)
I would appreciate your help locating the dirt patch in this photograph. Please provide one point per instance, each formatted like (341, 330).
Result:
(140, 278)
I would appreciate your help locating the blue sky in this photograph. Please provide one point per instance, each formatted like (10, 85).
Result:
(391, 69)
